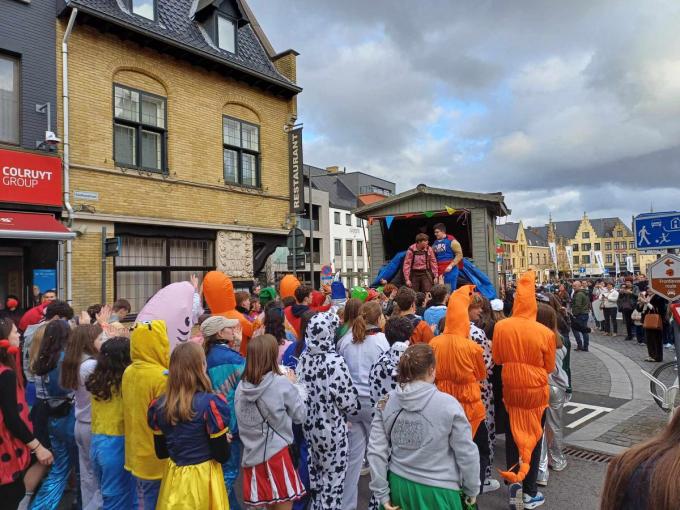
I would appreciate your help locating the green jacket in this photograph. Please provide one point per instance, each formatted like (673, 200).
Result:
(580, 303)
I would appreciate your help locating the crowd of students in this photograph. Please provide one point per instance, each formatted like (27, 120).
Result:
(327, 384)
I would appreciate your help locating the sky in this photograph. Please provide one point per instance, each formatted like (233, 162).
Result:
(565, 107)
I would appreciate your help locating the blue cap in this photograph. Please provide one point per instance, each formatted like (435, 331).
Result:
(338, 290)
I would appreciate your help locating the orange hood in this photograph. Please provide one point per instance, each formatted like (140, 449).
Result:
(288, 285)
(525, 297)
(457, 318)
(219, 292)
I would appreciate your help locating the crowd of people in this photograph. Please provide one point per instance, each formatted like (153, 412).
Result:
(296, 392)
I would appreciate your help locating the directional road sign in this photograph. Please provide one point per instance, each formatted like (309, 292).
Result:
(657, 231)
(664, 277)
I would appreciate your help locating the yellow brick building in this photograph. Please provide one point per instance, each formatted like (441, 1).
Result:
(176, 142)
(524, 249)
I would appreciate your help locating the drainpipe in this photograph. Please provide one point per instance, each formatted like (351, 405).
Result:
(66, 159)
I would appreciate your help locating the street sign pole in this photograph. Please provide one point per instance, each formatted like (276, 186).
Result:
(294, 252)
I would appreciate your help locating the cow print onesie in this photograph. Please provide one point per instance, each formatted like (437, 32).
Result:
(331, 395)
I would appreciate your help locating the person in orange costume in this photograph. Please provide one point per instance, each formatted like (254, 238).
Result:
(460, 368)
(219, 294)
(526, 350)
(288, 285)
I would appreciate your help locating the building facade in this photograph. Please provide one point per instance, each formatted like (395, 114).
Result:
(176, 143)
(31, 238)
(523, 249)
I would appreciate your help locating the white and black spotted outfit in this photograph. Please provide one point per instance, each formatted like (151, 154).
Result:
(478, 335)
(383, 375)
(331, 396)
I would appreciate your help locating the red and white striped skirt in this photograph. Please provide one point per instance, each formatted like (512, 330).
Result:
(273, 481)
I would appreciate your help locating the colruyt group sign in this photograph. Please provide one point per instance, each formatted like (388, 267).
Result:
(27, 178)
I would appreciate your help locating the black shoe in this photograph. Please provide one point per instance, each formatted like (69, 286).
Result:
(578, 349)
(585, 350)
(589, 330)
(628, 338)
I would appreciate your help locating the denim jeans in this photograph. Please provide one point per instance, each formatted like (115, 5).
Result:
(117, 484)
(147, 493)
(231, 469)
(581, 329)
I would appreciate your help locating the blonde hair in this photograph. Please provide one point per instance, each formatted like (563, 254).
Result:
(34, 350)
(186, 378)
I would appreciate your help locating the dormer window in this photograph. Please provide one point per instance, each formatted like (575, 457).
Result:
(144, 8)
(226, 34)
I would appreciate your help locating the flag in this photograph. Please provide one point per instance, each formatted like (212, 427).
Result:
(617, 268)
(629, 264)
(553, 252)
(389, 220)
(570, 256)
(450, 210)
(599, 260)
(428, 214)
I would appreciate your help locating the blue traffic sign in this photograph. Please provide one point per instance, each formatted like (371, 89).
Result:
(582, 270)
(657, 231)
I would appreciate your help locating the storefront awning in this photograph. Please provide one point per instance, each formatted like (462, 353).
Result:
(16, 225)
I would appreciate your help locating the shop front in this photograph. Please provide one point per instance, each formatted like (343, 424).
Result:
(31, 235)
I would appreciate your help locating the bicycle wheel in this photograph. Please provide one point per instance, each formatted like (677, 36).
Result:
(667, 374)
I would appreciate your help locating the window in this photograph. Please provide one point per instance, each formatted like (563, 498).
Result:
(634, 257)
(575, 259)
(9, 100)
(336, 218)
(139, 129)
(241, 152)
(360, 249)
(360, 222)
(349, 248)
(147, 264)
(545, 259)
(608, 258)
(144, 8)
(597, 247)
(226, 34)
(631, 245)
(585, 259)
(619, 233)
(531, 258)
(574, 247)
(585, 235)
(616, 245)
(348, 220)
(608, 245)
(585, 247)
(337, 247)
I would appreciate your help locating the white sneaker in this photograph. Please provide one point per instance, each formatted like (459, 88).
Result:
(533, 502)
(490, 485)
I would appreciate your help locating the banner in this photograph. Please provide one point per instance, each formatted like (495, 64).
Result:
(629, 264)
(599, 260)
(570, 256)
(297, 196)
(617, 268)
(553, 252)
(29, 178)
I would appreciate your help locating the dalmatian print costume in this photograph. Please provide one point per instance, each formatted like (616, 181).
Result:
(383, 375)
(478, 335)
(331, 395)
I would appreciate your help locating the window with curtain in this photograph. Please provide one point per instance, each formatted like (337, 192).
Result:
(139, 129)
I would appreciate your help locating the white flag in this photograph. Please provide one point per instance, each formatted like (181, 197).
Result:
(599, 260)
(617, 268)
(553, 252)
(570, 256)
(629, 264)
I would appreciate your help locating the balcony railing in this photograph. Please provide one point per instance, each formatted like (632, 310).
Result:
(303, 223)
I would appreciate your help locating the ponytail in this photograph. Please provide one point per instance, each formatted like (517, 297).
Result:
(359, 330)
(369, 313)
(415, 363)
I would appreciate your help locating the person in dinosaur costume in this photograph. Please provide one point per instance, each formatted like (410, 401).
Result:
(460, 368)
(218, 290)
(526, 350)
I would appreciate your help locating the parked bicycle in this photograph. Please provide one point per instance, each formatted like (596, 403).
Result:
(664, 386)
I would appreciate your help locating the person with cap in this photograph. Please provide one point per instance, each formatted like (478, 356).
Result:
(225, 366)
(318, 302)
(338, 295)
(360, 293)
(288, 285)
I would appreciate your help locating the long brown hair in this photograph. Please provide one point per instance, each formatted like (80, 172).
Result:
(546, 315)
(261, 358)
(54, 341)
(369, 313)
(112, 360)
(659, 457)
(351, 312)
(415, 363)
(186, 378)
(486, 320)
(80, 342)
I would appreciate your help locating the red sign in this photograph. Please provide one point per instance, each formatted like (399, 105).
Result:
(28, 178)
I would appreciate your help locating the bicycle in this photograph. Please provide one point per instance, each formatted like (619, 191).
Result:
(664, 386)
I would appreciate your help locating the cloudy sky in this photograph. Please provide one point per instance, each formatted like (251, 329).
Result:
(565, 107)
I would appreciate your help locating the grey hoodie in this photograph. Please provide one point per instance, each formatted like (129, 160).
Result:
(265, 414)
(420, 420)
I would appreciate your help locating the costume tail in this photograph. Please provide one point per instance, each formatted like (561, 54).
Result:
(522, 471)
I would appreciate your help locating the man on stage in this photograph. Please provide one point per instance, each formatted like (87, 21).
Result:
(449, 255)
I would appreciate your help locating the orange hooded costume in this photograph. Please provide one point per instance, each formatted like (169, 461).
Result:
(219, 294)
(460, 361)
(288, 285)
(526, 349)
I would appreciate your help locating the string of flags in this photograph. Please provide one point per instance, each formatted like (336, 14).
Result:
(428, 214)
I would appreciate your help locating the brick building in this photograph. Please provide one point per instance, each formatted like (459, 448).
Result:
(176, 142)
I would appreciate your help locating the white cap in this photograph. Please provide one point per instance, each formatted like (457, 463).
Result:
(497, 305)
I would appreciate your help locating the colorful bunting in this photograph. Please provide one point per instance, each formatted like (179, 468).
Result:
(428, 214)
(450, 210)
(409, 215)
(389, 220)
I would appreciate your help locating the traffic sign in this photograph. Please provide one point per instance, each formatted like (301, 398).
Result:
(582, 270)
(326, 274)
(300, 261)
(296, 240)
(664, 277)
(656, 231)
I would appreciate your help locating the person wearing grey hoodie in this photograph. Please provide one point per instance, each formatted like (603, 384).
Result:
(332, 396)
(420, 451)
(267, 403)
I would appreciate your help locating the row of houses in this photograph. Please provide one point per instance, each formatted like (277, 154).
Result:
(526, 247)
